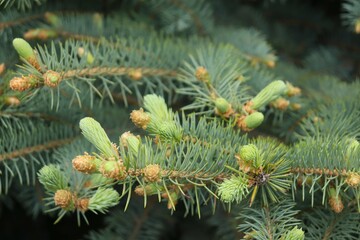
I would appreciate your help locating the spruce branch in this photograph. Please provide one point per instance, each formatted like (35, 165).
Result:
(38, 148)
(269, 222)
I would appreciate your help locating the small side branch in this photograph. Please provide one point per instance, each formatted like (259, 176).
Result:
(37, 148)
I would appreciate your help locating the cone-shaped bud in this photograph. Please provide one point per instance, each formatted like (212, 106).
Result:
(222, 106)
(64, 199)
(202, 74)
(294, 234)
(135, 74)
(353, 179)
(23, 48)
(152, 173)
(335, 201)
(269, 94)
(149, 189)
(51, 78)
(113, 169)
(140, 118)
(52, 19)
(254, 120)
(86, 164)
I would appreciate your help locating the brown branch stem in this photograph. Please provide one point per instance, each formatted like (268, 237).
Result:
(318, 171)
(36, 148)
(117, 71)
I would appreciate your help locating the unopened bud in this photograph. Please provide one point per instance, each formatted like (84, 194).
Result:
(26, 52)
(249, 152)
(89, 57)
(140, 118)
(353, 179)
(292, 91)
(270, 63)
(281, 104)
(86, 164)
(335, 201)
(51, 78)
(82, 204)
(12, 101)
(202, 74)
(20, 84)
(222, 106)
(254, 120)
(23, 48)
(135, 74)
(64, 199)
(152, 173)
(130, 141)
(271, 92)
(113, 169)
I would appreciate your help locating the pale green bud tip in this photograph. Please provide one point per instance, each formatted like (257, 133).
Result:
(51, 78)
(95, 134)
(169, 130)
(295, 234)
(233, 189)
(254, 120)
(90, 58)
(222, 105)
(271, 92)
(52, 178)
(23, 48)
(133, 143)
(113, 169)
(156, 106)
(249, 152)
(103, 199)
